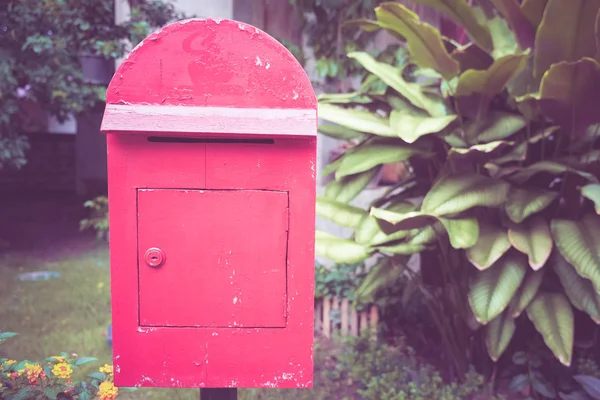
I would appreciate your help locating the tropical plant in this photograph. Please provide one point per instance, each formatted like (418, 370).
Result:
(501, 135)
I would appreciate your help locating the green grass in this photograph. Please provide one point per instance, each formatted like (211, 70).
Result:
(71, 314)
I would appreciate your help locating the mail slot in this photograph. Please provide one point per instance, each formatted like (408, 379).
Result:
(211, 135)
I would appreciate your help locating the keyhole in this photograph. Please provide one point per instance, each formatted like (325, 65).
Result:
(154, 257)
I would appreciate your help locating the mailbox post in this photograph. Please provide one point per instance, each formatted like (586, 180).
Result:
(211, 134)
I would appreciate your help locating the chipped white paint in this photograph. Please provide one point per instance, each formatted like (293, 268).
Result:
(267, 66)
(215, 334)
(295, 96)
(242, 27)
(235, 300)
(287, 376)
(258, 62)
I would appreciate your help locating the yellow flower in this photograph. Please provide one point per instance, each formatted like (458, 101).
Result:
(62, 370)
(107, 369)
(33, 371)
(59, 359)
(107, 391)
(10, 362)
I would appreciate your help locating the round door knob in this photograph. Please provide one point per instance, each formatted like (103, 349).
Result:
(154, 257)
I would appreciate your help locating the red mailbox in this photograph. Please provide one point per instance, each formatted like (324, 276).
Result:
(211, 131)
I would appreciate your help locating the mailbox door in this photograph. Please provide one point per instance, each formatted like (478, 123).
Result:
(212, 258)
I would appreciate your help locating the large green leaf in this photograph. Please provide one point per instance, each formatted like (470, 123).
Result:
(579, 243)
(485, 85)
(526, 293)
(479, 153)
(392, 77)
(462, 232)
(491, 245)
(403, 248)
(579, 290)
(491, 290)
(534, 10)
(570, 92)
(524, 30)
(550, 167)
(374, 153)
(532, 238)
(410, 126)
(358, 120)
(404, 220)
(340, 250)
(497, 126)
(592, 192)
(344, 98)
(340, 213)
(424, 41)
(505, 42)
(457, 193)
(462, 13)
(369, 232)
(552, 317)
(498, 334)
(347, 188)
(566, 33)
(339, 132)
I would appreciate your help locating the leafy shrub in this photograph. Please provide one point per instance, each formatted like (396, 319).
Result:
(502, 141)
(52, 378)
(375, 371)
(98, 219)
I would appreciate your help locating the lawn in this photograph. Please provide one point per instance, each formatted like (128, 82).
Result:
(71, 314)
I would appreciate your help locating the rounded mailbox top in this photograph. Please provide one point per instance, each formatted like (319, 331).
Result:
(211, 63)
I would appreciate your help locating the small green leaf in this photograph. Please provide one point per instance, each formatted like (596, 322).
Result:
(344, 98)
(97, 375)
(527, 292)
(592, 192)
(357, 120)
(518, 383)
(579, 243)
(410, 126)
(553, 318)
(580, 291)
(457, 193)
(498, 334)
(491, 290)
(85, 360)
(522, 203)
(505, 42)
(532, 238)
(424, 41)
(367, 25)
(392, 77)
(340, 213)
(479, 152)
(487, 84)
(338, 249)
(491, 245)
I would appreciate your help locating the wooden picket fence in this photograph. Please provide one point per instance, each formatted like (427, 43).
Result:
(337, 314)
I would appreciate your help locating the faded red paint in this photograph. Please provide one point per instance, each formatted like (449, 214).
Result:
(212, 242)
